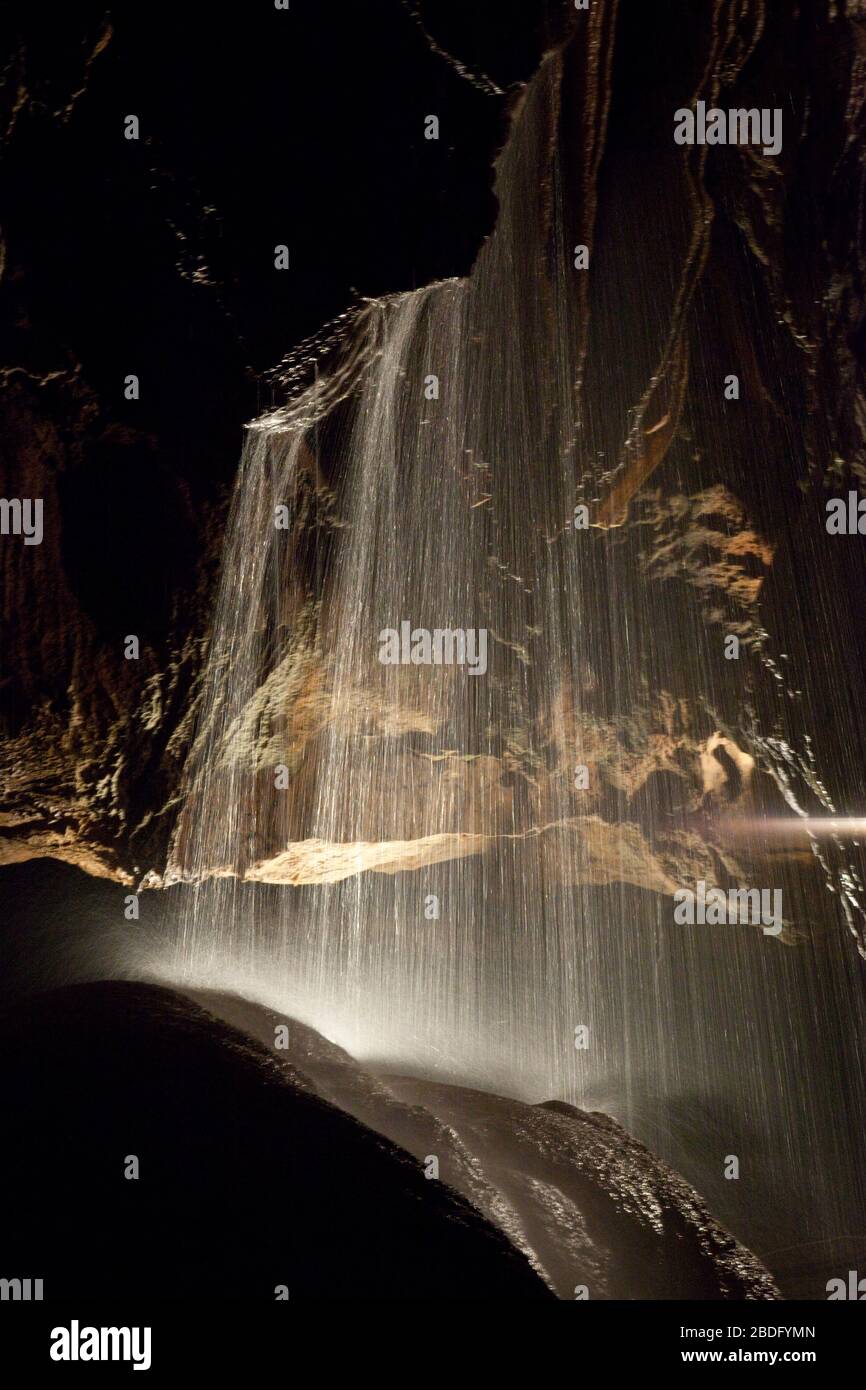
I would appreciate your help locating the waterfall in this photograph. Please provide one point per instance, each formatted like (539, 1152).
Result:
(403, 855)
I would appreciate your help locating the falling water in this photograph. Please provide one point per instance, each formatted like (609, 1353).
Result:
(400, 854)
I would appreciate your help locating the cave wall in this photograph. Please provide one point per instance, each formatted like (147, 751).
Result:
(156, 257)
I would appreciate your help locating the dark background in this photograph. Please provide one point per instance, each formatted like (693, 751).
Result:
(258, 127)
(261, 127)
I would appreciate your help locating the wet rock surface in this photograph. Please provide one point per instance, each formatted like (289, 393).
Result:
(248, 1180)
(178, 228)
(585, 1202)
(264, 1165)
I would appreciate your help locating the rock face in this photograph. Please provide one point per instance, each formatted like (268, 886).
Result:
(248, 1179)
(94, 746)
(262, 1166)
(586, 1203)
(166, 271)
(600, 1210)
